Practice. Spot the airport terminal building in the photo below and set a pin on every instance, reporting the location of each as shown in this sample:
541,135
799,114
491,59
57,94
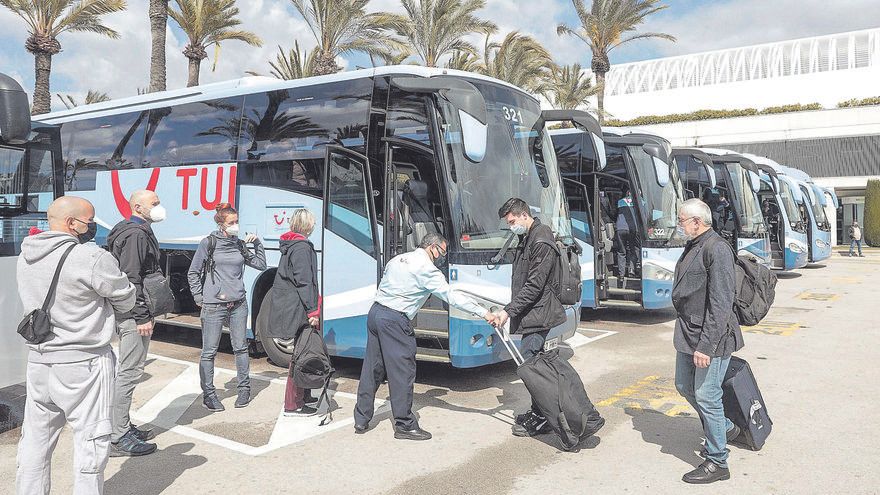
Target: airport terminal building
838,147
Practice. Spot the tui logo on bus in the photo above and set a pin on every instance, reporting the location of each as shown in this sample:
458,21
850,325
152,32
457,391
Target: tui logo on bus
221,177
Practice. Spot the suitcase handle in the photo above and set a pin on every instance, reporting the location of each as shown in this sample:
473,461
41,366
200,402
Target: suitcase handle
509,345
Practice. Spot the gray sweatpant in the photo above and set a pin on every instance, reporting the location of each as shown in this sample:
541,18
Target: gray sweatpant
77,393
132,354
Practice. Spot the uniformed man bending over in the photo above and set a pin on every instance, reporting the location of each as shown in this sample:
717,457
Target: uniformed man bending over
408,281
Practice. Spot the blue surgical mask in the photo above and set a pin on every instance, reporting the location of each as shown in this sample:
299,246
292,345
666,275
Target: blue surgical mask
518,229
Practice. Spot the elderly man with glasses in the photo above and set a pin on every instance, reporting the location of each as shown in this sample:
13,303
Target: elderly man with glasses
706,333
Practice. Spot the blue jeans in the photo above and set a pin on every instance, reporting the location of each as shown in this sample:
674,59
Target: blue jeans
213,317
852,245
702,389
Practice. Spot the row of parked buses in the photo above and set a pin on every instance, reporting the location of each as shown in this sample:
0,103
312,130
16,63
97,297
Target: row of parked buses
384,156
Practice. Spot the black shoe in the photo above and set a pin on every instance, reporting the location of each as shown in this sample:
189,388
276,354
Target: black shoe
522,418
595,429
361,429
414,434
243,399
212,403
534,425
142,435
130,446
302,412
309,400
707,472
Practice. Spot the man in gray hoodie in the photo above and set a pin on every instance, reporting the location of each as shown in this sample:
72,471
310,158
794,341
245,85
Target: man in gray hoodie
70,376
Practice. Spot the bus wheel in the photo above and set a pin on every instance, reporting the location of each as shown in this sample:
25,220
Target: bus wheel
278,350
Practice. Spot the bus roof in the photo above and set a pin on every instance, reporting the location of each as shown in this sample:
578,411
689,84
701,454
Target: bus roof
248,85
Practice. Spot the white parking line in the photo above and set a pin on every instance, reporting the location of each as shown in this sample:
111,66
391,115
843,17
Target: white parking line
167,407
579,339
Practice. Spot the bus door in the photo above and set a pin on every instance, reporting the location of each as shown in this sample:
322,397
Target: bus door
773,216
414,209
350,257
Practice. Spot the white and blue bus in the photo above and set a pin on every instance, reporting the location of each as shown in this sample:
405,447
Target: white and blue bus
788,231
30,178
382,156
635,162
812,203
729,184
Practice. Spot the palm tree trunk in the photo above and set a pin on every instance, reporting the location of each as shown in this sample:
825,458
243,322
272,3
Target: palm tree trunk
158,21
42,70
194,65
600,96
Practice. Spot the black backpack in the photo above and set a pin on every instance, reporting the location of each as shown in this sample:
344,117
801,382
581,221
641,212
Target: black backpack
755,289
567,273
311,365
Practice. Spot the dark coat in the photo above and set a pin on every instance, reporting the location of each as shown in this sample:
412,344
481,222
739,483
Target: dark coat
703,295
534,306
135,246
295,291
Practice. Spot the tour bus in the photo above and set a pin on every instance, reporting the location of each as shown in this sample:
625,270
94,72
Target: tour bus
382,156
30,178
812,204
639,163
788,231
731,192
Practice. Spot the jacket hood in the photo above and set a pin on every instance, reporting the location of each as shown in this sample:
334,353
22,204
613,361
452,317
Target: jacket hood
36,247
124,229
288,242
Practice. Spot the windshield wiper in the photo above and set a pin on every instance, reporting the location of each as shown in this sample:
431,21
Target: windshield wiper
500,254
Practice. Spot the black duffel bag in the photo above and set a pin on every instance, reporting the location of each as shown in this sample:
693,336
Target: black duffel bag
36,326
311,367
158,294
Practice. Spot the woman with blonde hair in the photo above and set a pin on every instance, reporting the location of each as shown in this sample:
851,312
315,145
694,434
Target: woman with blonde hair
295,303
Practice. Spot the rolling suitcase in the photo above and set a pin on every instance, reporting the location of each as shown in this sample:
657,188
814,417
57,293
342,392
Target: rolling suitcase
744,405
559,394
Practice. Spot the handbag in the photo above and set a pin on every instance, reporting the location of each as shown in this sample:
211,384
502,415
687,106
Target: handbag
36,326
158,294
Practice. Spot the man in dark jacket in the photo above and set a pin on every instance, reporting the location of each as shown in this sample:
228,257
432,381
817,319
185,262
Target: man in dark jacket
133,243
706,332
534,307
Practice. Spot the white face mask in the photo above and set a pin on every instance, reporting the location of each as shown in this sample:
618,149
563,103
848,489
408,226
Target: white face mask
158,213
232,230
518,229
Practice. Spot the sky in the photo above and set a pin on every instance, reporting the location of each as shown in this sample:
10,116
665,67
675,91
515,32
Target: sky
120,67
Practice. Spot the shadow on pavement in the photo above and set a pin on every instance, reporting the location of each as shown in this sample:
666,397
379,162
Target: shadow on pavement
678,436
631,316
154,473
788,275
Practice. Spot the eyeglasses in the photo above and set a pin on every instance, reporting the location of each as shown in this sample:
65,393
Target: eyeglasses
681,221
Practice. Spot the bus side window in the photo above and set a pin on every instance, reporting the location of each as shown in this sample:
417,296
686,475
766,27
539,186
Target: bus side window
348,214
100,144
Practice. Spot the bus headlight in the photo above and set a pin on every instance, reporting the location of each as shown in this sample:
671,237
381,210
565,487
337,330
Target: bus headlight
795,248
821,244
656,272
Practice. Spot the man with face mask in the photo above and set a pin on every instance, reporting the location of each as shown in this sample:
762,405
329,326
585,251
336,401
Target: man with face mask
134,244
69,376
706,332
409,280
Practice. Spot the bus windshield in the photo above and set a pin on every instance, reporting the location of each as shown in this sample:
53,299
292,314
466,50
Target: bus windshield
659,203
791,208
28,174
751,219
520,162
818,212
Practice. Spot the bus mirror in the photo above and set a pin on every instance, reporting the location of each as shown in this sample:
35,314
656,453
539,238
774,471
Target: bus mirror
15,112
661,169
474,136
599,145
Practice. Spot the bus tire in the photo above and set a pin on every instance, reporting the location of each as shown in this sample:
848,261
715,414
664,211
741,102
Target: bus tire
278,353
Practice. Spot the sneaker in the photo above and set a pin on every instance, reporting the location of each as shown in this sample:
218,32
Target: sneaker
310,400
244,398
130,446
522,418
142,435
302,412
534,425
212,403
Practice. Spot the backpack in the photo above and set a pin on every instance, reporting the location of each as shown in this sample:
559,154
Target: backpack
755,289
311,365
567,273
208,262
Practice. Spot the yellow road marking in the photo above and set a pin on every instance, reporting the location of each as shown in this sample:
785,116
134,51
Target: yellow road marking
846,280
782,328
817,296
652,393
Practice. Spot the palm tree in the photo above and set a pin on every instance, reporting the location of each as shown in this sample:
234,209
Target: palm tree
519,60
569,87
391,58
604,27
344,26
293,64
466,61
206,23
91,97
158,21
46,20
435,28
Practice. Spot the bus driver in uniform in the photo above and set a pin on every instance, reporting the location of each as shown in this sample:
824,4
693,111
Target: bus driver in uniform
408,281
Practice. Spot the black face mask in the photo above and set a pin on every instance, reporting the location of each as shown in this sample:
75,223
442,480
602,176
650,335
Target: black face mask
440,261
89,234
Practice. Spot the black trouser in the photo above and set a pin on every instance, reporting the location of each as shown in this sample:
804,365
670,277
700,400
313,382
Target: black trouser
391,352
629,252
532,344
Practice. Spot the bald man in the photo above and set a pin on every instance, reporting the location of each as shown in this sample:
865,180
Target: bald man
134,244
70,376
